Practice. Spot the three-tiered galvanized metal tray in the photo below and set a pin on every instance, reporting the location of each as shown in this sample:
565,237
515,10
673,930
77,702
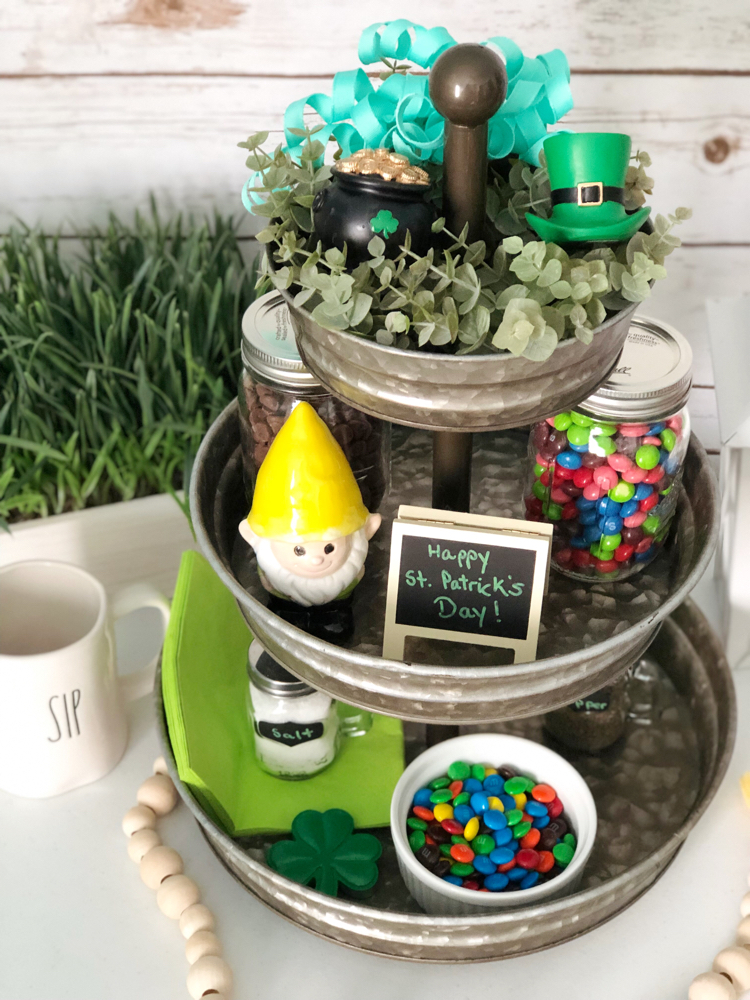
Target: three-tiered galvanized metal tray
650,787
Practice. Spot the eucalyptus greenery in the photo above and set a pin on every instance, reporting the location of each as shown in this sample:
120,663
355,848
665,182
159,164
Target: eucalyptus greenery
524,296
114,364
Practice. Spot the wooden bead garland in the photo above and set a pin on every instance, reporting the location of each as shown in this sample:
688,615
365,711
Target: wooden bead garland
160,863
141,843
158,793
177,896
730,975
202,943
735,963
138,818
209,974
711,986
196,918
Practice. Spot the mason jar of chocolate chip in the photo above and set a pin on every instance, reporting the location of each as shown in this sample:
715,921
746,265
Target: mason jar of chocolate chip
274,378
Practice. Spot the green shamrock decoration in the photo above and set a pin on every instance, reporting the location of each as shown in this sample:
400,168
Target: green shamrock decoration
384,223
324,850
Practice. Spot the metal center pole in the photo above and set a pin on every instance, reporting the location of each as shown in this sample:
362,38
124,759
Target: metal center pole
451,470
451,490
467,86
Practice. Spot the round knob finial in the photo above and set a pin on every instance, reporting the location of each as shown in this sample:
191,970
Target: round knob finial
468,84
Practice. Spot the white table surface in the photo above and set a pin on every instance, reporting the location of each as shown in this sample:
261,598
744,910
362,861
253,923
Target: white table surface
77,922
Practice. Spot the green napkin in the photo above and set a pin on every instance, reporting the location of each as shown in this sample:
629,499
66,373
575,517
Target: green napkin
205,690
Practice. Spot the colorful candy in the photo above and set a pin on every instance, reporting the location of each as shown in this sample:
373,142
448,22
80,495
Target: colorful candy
443,811
472,826
608,489
507,833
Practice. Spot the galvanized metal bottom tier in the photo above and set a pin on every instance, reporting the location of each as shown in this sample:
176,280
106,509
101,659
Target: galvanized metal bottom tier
650,788
590,633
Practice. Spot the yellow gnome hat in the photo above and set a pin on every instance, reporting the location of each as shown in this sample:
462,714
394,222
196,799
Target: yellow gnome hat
305,490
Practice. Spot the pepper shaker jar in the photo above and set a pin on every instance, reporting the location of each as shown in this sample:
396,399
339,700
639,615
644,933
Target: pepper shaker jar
593,723
274,379
608,474
297,730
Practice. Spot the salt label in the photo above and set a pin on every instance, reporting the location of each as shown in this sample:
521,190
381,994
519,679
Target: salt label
290,733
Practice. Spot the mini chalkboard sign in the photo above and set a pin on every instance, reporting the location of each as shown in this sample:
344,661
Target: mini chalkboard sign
467,578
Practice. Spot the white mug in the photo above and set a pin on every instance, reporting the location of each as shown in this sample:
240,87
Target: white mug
62,705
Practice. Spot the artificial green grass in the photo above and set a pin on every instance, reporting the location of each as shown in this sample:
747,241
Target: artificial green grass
114,364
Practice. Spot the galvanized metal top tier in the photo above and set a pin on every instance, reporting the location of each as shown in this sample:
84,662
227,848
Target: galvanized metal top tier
432,692
448,392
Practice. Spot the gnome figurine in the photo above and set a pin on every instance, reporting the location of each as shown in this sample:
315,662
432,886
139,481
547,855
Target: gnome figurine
308,525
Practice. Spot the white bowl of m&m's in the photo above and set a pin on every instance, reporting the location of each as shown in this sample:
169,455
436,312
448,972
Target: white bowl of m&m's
491,821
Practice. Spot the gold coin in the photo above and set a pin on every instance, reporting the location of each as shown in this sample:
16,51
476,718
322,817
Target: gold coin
410,176
385,163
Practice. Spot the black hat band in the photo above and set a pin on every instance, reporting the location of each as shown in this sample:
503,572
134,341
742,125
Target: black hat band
588,195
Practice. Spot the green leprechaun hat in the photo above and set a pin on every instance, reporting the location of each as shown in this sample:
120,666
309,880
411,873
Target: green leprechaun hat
587,177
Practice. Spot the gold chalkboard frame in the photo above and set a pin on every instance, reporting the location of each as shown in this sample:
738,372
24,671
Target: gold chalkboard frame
460,527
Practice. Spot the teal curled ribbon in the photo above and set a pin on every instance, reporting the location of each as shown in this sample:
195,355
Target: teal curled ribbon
399,114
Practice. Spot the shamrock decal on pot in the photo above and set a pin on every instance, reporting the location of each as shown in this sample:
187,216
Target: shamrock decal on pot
384,223
325,851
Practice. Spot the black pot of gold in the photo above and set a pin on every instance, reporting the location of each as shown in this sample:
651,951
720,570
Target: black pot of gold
374,192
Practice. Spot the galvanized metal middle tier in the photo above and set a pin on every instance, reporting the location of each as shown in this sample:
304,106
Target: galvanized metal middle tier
437,693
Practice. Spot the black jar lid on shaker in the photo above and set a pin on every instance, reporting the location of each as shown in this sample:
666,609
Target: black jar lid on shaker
652,377
268,675
269,347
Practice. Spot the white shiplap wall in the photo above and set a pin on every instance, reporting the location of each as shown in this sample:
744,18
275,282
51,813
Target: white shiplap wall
103,101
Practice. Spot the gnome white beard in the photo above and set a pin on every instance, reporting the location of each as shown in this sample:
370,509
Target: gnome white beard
306,590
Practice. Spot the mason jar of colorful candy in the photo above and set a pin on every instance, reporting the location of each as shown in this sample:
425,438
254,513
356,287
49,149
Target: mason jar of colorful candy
608,473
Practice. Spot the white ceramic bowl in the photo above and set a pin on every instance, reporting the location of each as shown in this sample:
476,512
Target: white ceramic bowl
439,897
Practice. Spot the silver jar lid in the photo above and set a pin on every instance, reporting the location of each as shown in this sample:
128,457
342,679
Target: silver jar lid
268,675
269,346
652,377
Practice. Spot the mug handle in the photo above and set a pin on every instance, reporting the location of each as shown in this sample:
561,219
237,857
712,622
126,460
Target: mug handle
140,595
353,721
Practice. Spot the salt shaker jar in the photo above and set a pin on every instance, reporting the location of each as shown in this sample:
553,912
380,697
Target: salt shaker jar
297,730
608,474
274,378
